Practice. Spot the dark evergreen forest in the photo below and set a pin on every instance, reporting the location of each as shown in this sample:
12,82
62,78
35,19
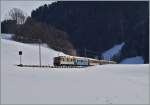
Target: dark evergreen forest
99,25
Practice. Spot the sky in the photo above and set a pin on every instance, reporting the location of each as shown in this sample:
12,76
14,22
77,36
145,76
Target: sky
26,6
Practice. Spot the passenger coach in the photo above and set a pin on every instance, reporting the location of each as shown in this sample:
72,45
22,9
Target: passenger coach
79,61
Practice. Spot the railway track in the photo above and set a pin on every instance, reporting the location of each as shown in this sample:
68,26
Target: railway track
48,66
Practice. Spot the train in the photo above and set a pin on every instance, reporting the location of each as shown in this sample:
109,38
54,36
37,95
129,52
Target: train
79,61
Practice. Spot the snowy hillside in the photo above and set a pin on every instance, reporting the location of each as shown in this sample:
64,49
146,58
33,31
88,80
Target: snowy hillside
107,55
133,60
30,53
106,84
6,36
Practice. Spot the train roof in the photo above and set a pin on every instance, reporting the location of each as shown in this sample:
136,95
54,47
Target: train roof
78,57
71,57
87,58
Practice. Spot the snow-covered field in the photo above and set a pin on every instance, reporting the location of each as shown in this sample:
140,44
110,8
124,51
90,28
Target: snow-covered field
106,84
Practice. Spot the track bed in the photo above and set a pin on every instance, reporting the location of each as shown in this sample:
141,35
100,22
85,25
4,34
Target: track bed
48,66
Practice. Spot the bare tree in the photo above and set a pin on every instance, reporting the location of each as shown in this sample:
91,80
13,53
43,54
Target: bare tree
18,15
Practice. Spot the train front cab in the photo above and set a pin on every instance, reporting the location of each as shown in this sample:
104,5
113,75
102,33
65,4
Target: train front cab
56,61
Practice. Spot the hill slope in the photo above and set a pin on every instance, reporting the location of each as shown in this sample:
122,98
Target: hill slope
98,84
99,25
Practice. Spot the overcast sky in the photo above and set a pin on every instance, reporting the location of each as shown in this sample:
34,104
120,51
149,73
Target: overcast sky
26,6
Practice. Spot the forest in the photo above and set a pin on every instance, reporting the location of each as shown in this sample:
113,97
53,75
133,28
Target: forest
93,25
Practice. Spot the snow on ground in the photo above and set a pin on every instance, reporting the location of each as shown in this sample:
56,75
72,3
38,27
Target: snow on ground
6,36
106,84
30,53
133,60
107,55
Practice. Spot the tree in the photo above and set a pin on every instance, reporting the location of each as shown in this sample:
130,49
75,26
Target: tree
18,15
55,38
8,26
